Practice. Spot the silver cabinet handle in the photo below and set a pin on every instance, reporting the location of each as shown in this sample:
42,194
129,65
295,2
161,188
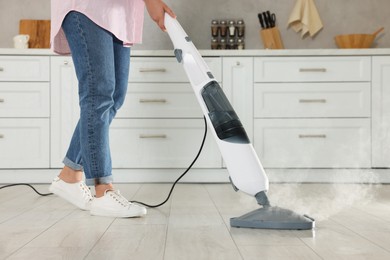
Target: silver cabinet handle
144,70
142,100
312,70
312,101
152,136
1,136
66,62
2,100
1,69
312,136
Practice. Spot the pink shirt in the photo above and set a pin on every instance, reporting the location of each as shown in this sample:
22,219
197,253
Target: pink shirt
123,18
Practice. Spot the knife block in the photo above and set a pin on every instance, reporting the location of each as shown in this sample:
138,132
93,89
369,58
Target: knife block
271,38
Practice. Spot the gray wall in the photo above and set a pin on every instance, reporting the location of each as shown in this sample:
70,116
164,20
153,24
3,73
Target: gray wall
339,17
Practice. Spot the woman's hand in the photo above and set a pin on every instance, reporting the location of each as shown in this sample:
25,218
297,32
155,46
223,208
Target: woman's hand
156,10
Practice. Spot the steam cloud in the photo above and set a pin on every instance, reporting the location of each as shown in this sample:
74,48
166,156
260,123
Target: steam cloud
321,201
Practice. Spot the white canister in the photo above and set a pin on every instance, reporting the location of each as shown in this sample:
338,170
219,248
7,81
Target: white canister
21,41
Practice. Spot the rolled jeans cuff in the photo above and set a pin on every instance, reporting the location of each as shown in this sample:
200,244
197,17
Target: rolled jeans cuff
101,180
72,165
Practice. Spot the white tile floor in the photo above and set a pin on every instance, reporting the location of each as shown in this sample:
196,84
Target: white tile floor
353,223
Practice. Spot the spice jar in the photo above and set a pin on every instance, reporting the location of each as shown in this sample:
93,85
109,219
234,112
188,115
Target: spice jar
222,44
232,44
214,28
214,43
240,28
223,28
232,28
240,44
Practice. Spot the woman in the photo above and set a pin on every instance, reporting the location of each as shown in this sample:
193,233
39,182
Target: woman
98,34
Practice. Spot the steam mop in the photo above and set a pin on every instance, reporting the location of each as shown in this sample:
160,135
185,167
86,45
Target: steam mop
244,167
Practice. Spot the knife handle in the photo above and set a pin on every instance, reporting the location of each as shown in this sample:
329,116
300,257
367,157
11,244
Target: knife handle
266,22
270,20
261,20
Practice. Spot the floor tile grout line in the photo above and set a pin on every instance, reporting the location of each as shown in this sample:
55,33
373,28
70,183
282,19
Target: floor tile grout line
226,225
43,231
100,238
14,192
136,191
360,235
167,226
372,215
27,210
309,247
108,227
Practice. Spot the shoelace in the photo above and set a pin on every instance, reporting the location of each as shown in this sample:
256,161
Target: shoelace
87,192
116,195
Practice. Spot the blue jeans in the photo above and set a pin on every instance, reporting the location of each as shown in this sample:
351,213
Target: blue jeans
102,69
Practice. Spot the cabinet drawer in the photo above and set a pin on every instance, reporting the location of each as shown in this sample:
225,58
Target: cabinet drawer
166,70
152,100
20,99
312,100
313,143
24,143
161,143
18,68
312,69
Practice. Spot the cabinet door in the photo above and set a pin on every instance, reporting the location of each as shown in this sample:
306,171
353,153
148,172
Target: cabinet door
160,100
238,87
24,99
24,143
381,112
309,100
312,69
165,69
313,143
64,107
161,143
24,68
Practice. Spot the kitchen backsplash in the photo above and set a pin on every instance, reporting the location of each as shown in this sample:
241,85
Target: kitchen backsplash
338,16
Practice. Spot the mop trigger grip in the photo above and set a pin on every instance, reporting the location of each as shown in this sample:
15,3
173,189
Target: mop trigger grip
178,54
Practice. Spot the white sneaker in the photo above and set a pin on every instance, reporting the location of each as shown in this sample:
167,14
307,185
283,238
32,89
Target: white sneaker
113,204
76,193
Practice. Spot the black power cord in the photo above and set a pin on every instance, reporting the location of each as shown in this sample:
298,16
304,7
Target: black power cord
26,184
142,203
181,176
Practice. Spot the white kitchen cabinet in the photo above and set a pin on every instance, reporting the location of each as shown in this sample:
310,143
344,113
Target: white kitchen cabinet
313,143
24,143
166,69
312,69
24,99
313,112
159,100
238,87
304,100
381,112
64,107
164,125
301,109
161,143
24,112
24,68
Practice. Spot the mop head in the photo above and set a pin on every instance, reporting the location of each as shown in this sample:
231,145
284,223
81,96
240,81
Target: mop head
273,218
